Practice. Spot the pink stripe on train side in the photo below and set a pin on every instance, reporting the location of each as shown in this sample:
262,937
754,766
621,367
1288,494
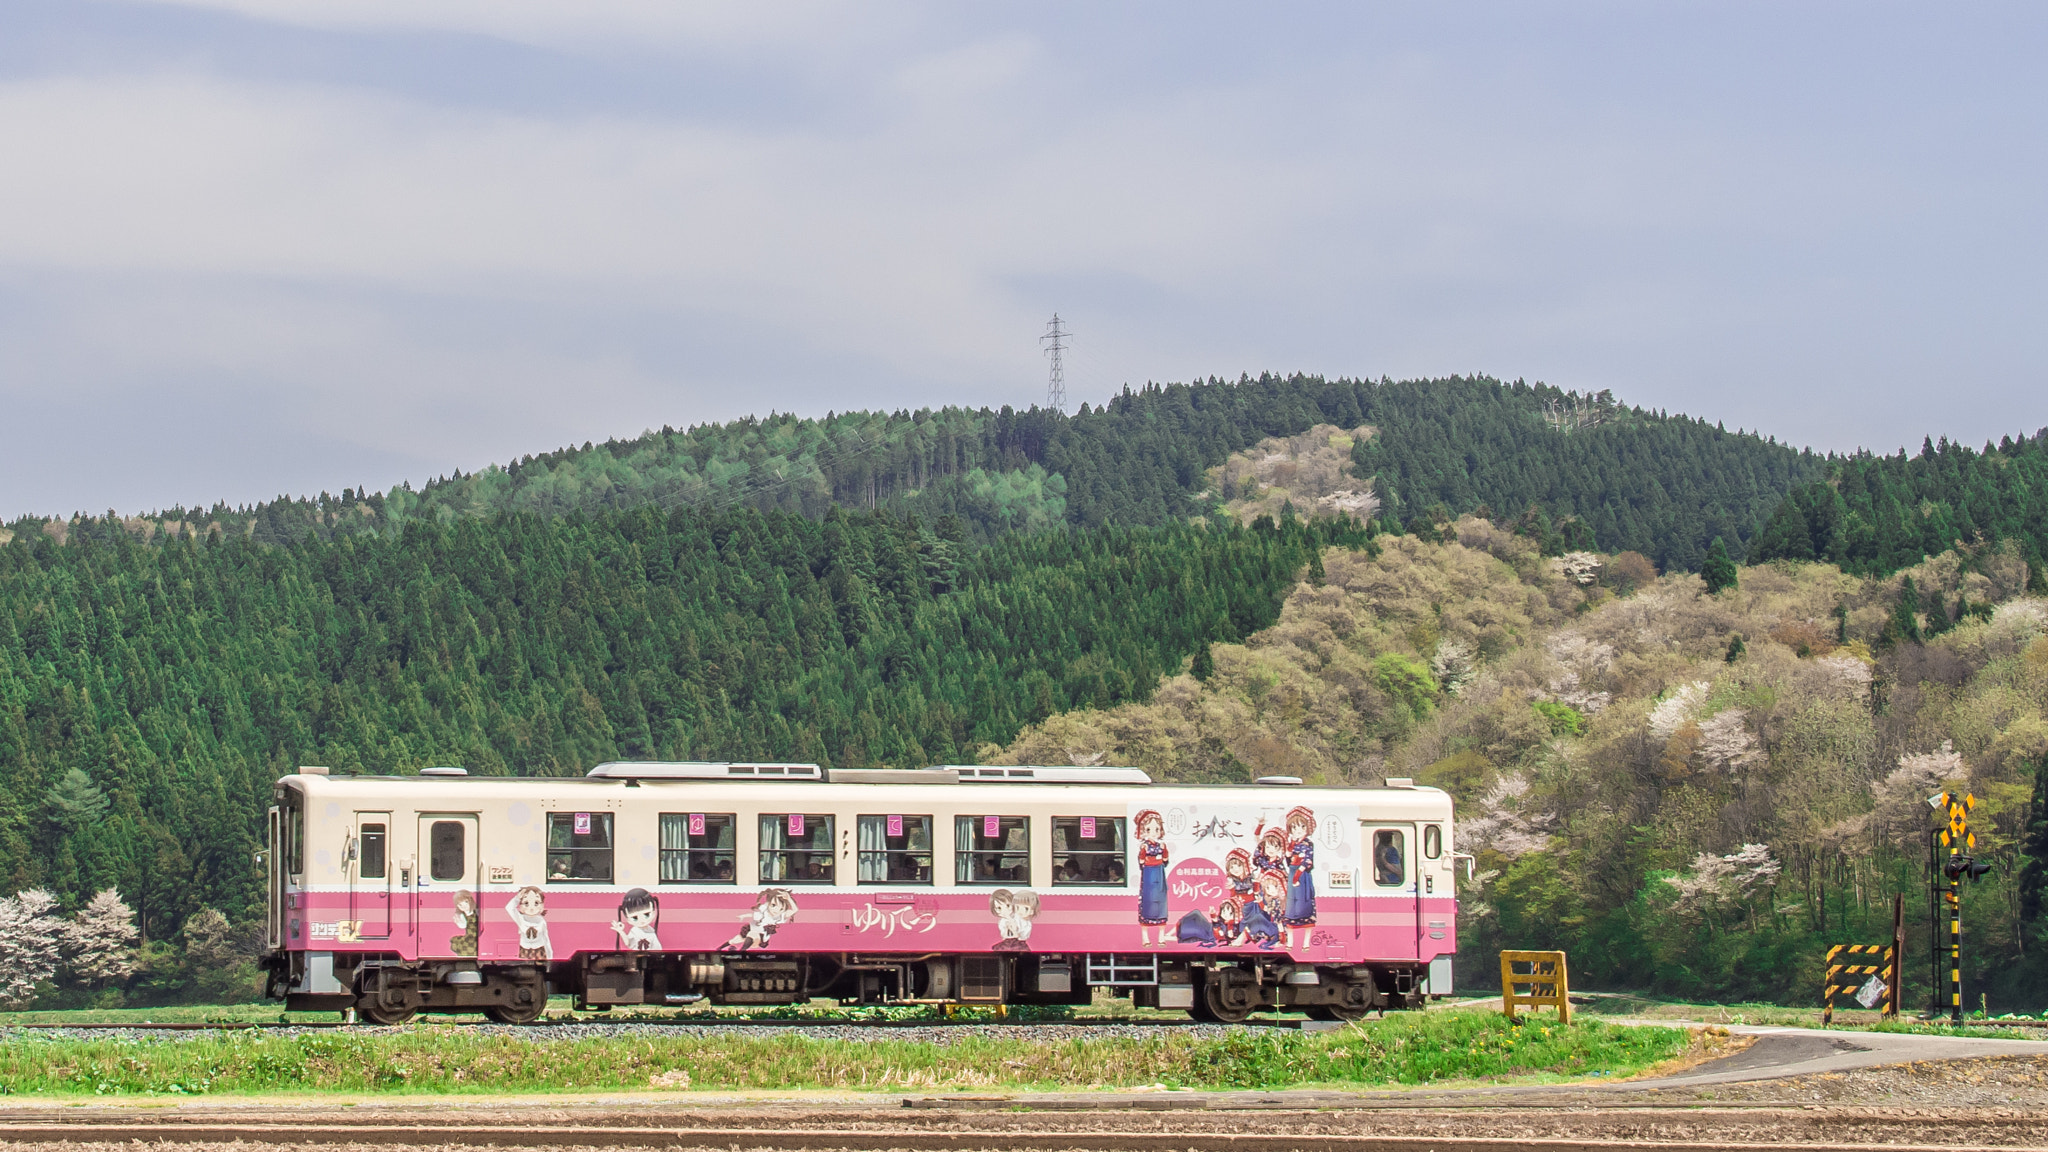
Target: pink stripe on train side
837,920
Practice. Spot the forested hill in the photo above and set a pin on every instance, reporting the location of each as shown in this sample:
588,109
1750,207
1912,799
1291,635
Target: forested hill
1875,515
1641,480
150,693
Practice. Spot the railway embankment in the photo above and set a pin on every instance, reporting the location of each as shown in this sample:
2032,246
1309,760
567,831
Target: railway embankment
1401,1049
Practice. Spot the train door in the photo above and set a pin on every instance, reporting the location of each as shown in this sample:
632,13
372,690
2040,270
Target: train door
274,877
1389,908
446,881
369,878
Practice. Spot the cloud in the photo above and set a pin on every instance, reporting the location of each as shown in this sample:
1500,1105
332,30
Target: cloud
643,25
504,272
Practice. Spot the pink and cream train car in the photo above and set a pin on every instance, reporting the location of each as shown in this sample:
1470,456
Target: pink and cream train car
671,883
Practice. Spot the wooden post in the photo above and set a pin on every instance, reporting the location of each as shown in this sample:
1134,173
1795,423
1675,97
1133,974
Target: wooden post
1897,999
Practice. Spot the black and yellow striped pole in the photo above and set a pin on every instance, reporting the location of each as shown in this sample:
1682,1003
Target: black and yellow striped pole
1958,839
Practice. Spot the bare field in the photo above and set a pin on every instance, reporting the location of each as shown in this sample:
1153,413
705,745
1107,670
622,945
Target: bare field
1999,1102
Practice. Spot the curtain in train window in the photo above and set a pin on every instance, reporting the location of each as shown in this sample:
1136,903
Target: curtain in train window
796,848
895,849
992,849
698,848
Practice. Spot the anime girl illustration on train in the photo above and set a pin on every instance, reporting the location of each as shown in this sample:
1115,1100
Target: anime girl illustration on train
1237,869
1229,922
773,908
1299,872
1152,859
1014,909
639,921
468,925
1260,924
529,912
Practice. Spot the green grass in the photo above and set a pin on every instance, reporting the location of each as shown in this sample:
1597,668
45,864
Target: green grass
261,1012
1406,1049
1777,1015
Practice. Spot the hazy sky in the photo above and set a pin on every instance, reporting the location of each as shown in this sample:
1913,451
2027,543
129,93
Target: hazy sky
261,246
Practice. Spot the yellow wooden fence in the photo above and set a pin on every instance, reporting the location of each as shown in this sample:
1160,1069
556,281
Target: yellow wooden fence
1545,979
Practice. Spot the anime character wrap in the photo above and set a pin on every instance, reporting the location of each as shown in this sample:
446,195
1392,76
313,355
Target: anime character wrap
1152,859
1299,865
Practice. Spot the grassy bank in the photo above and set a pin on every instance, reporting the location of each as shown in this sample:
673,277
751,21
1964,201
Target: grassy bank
1406,1049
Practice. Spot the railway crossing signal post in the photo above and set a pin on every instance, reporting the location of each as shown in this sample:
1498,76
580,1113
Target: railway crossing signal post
1962,862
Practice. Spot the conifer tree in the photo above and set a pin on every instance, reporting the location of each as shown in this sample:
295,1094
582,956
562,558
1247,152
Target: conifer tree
1719,570
1905,619
2033,882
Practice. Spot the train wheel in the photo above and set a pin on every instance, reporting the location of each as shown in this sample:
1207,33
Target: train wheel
375,1013
1210,999
1345,1012
515,1014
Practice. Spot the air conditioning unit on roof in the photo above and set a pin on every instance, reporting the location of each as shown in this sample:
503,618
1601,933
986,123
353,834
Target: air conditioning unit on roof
702,770
1046,774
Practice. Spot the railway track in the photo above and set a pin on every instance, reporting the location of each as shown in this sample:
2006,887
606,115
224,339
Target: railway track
777,1139
543,1025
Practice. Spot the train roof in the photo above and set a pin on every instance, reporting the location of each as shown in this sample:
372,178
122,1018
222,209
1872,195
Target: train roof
810,779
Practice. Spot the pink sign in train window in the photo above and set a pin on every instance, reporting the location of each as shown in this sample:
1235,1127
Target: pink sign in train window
991,826
895,826
583,824
696,823
1087,827
796,824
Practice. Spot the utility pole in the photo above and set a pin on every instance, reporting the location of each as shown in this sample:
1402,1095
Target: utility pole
1055,341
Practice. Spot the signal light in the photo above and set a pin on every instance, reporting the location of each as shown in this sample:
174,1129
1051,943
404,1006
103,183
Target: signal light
1965,868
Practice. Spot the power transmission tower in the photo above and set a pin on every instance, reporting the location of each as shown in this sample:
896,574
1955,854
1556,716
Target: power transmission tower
1055,341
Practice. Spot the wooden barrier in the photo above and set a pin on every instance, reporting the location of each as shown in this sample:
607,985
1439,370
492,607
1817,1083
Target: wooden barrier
1851,967
1546,980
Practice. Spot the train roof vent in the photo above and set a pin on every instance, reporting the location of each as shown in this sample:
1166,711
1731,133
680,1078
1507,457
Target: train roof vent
893,776
444,770
1046,774
1400,782
1282,781
702,770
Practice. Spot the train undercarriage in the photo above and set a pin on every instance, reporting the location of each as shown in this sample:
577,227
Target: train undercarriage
385,989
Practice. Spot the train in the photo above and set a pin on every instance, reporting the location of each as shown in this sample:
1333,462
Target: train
667,883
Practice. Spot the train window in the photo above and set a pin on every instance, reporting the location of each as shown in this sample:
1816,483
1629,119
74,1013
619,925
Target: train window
444,850
1389,863
370,852
580,847
1087,850
1432,841
895,849
294,829
992,849
697,848
796,848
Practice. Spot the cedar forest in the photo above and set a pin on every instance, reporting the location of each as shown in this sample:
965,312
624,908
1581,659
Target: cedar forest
1688,686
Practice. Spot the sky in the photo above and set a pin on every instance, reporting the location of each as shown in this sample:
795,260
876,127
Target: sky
263,247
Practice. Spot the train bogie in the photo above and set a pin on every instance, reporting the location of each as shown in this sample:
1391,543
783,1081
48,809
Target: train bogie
775,884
